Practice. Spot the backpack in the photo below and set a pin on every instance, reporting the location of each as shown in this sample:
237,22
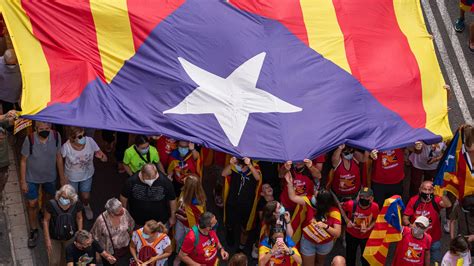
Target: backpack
147,251
435,205
31,138
63,225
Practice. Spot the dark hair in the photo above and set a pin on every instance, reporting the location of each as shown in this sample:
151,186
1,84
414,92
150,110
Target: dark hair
459,244
274,230
239,259
205,220
141,139
267,213
324,201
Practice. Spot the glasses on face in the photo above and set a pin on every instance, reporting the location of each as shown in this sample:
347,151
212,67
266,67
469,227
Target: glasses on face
80,136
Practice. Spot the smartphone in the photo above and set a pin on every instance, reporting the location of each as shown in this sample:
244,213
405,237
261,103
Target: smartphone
280,239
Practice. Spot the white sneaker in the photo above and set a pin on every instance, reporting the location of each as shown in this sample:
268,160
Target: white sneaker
254,252
88,212
446,227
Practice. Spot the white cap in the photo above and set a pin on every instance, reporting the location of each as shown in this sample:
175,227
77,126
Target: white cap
423,220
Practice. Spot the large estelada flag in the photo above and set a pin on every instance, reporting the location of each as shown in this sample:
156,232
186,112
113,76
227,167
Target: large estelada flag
387,229
268,79
455,172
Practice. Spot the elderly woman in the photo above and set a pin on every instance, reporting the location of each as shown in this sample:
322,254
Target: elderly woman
62,219
150,245
79,152
112,230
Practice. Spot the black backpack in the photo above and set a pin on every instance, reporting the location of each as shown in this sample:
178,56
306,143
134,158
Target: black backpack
435,205
63,225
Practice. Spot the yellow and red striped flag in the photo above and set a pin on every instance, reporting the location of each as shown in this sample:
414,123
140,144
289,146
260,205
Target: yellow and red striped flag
454,174
387,229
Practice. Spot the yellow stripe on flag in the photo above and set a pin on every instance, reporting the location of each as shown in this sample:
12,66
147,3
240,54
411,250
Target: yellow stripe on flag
114,34
324,34
33,65
410,19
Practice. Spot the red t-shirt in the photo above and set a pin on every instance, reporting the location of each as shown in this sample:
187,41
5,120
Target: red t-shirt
410,250
320,235
360,216
165,146
346,181
320,159
303,185
426,209
389,167
206,250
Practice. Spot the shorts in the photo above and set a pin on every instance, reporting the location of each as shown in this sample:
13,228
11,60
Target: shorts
33,189
308,248
82,186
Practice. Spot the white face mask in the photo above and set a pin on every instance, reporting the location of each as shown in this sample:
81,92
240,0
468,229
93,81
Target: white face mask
150,181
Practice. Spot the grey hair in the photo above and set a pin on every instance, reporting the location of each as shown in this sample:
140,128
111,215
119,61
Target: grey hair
10,57
113,205
205,220
82,236
68,191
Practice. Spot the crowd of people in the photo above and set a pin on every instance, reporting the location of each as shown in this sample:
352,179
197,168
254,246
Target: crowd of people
297,209
289,213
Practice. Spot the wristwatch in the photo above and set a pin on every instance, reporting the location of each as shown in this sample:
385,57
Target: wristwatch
292,252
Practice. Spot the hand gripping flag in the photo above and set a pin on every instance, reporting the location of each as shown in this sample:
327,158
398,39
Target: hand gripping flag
387,229
454,172
273,80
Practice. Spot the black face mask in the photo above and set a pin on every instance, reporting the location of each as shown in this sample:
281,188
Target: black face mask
44,133
426,196
364,203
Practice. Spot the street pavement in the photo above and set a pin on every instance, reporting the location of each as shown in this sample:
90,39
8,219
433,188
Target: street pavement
457,65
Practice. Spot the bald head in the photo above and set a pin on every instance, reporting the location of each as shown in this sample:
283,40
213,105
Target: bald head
10,57
149,171
338,261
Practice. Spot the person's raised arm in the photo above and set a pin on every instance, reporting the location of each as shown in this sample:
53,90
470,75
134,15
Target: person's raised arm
336,156
315,173
194,151
228,169
255,172
285,168
291,190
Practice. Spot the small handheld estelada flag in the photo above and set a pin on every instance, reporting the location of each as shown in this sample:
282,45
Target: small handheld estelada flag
20,124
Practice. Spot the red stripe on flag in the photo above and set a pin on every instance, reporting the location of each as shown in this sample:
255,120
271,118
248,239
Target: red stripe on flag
371,30
67,34
287,12
461,174
145,15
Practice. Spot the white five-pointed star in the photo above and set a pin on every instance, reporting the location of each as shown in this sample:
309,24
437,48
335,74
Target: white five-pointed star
230,99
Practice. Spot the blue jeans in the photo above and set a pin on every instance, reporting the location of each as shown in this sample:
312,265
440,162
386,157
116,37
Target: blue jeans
435,252
308,248
33,189
82,186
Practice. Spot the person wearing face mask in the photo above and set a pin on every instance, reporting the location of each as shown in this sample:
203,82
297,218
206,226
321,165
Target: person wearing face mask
242,184
183,161
273,214
316,223
78,153
303,175
458,253
150,245
62,219
362,214
84,249
40,165
139,154
462,219
427,205
201,245
345,180
112,230
149,195
414,247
